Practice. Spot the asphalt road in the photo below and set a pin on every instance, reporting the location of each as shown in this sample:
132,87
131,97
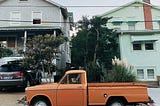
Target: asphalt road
10,97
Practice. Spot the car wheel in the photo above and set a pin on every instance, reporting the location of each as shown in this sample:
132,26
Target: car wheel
116,102
40,102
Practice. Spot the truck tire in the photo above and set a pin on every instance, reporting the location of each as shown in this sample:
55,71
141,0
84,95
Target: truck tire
40,102
116,102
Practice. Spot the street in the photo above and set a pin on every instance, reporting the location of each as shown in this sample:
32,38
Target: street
9,98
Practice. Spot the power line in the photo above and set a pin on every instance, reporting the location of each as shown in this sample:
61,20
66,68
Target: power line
76,22
75,6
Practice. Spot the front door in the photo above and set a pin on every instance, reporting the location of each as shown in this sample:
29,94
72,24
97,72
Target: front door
71,91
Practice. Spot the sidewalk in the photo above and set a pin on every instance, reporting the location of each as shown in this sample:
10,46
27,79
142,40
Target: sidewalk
154,93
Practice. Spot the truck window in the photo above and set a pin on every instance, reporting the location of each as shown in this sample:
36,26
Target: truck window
72,79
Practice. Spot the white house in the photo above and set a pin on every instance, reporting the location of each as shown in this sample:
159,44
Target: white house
20,19
138,25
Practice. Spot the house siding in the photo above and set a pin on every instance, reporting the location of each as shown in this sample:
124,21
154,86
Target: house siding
49,12
141,59
137,16
51,16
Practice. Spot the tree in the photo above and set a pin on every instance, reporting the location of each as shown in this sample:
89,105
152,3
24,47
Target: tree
41,50
94,42
5,52
95,45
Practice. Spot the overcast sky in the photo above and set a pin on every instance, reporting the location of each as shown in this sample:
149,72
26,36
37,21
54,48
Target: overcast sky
78,12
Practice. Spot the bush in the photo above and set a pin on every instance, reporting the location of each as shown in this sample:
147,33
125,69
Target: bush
4,52
94,73
120,72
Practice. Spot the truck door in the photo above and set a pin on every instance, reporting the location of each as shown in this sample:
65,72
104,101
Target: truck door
71,91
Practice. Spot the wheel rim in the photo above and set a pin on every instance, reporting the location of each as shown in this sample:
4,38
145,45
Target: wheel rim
116,104
40,103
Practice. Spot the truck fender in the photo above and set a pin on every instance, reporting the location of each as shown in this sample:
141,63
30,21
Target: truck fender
40,97
111,98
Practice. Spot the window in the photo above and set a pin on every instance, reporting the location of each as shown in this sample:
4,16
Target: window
140,73
36,21
150,73
37,17
137,46
72,79
143,45
23,0
149,46
15,17
131,25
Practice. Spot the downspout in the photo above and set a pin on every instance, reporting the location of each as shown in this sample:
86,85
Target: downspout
25,40
120,46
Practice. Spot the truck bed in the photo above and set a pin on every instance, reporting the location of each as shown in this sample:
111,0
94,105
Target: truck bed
115,84
132,92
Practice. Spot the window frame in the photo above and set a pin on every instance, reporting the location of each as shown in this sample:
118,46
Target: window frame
136,43
131,25
23,0
143,73
148,76
68,79
152,48
16,20
36,18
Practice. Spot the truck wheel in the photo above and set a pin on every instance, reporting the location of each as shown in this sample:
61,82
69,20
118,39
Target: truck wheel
116,102
40,102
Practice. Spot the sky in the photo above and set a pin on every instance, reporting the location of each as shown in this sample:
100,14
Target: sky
97,7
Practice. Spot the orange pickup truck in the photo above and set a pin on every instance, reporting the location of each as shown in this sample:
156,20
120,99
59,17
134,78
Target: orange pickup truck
73,90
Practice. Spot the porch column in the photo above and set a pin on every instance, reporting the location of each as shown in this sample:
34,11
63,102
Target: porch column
25,40
54,33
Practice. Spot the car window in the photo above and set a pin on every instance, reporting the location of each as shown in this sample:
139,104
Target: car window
10,68
72,79
3,69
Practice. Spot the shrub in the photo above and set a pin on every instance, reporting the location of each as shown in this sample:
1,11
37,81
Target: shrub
5,52
94,73
120,72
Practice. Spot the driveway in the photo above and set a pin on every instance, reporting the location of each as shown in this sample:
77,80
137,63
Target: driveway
9,98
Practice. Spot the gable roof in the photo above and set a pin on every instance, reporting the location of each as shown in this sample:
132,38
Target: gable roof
54,3
127,5
63,8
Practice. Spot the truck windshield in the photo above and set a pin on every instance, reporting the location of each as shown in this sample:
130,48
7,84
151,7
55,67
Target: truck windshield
72,79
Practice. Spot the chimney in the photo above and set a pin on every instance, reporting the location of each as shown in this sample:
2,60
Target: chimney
147,15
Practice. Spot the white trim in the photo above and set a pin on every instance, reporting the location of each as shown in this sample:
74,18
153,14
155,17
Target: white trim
143,38
145,72
38,17
14,19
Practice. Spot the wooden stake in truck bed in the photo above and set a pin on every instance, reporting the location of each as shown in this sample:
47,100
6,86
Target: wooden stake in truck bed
73,90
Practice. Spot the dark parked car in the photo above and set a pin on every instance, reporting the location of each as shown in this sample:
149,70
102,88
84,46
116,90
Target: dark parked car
15,75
